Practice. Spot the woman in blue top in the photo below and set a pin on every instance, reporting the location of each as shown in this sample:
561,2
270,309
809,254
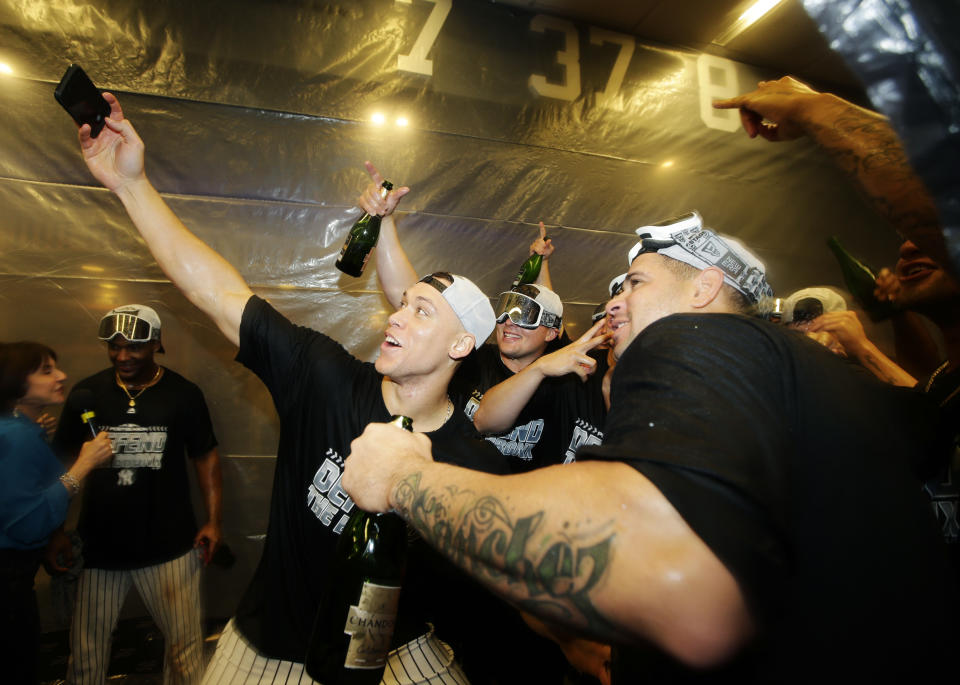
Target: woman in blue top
34,494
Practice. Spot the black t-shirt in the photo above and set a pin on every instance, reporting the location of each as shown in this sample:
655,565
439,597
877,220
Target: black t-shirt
798,474
563,414
325,398
136,511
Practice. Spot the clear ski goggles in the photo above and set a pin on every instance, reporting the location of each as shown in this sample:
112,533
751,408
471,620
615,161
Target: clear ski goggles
523,310
130,326
599,313
648,245
616,285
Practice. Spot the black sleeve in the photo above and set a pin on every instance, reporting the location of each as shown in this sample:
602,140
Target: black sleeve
199,438
288,357
696,402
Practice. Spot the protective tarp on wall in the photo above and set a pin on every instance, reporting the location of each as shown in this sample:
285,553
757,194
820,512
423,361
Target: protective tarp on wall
907,55
257,120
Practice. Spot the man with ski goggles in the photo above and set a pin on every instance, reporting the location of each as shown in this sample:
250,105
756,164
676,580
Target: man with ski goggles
522,307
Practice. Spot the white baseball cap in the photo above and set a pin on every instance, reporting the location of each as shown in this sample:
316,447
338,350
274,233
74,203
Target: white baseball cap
830,301
469,303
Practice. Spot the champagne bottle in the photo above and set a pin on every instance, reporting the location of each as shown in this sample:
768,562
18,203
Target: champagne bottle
361,240
530,269
354,625
861,281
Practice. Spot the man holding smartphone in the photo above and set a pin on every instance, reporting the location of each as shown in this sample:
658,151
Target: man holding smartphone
324,398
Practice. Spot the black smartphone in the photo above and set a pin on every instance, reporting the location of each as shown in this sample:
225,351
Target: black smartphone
82,99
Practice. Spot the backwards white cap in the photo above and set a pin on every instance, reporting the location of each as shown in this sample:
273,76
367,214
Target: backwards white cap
830,301
470,305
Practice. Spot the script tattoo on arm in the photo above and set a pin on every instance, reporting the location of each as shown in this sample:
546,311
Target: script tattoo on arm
886,370
540,568
866,148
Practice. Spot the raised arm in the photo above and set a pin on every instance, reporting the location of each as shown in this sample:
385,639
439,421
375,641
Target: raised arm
115,158
593,546
394,271
543,246
502,404
862,143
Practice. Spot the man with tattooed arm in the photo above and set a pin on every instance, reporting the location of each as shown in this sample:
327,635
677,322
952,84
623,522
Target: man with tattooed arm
744,520
864,145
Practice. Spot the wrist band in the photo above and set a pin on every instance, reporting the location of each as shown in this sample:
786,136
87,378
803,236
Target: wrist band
73,485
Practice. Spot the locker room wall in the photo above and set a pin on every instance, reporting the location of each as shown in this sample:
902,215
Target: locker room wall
257,119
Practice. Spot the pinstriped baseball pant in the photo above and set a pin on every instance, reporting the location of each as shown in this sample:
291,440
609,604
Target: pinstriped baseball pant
171,592
423,661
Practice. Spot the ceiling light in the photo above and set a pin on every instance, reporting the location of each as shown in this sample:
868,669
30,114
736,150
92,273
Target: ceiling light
749,17
402,121
668,163
5,68
92,268
378,118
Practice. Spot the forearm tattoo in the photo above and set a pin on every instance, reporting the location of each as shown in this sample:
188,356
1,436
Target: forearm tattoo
542,569
866,148
875,365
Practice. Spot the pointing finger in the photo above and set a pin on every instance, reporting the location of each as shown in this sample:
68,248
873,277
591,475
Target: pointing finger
729,103
374,174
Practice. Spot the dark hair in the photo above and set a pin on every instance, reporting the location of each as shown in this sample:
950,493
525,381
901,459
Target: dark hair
736,300
17,361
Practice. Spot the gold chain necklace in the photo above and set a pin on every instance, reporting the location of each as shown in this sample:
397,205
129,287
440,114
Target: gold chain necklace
133,398
934,375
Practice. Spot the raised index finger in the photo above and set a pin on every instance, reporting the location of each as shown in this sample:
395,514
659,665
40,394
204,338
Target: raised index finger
374,174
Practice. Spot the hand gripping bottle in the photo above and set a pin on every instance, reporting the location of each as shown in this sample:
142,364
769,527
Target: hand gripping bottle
356,617
361,240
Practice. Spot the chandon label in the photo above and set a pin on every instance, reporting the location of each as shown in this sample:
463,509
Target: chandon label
370,624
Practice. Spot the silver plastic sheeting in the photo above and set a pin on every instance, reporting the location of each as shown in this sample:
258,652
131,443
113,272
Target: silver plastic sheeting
907,55
257,120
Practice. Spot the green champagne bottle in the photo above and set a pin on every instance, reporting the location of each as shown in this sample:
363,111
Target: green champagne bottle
353,629
861,281
530,269
361,240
